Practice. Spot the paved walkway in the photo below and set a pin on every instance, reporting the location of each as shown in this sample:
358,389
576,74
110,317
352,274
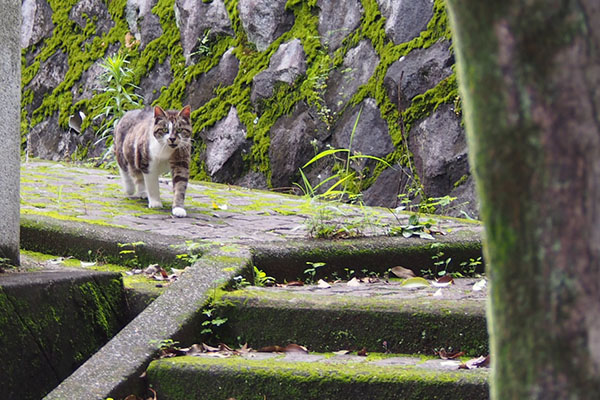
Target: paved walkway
215,212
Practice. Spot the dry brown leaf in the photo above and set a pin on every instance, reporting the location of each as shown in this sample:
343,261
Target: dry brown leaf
271,349
153,394
245,349
295,283
290,348
208,348
402,272
443,281
444,355
295,348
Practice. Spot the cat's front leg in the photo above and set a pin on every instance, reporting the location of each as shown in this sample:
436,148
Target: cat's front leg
153,190
180,173
128,184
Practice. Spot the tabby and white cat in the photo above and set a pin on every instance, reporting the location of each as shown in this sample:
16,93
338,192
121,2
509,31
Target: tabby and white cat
149,143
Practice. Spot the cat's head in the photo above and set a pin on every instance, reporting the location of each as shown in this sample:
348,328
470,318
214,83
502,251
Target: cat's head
172,128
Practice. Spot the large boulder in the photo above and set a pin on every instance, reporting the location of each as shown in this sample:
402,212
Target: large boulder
405,19
196,19
48,141
337,20
264,20
439,149
466,204
143,23
201,89
371,136
343,82
51,73
36,22
223,140
286,65
151,85
92,10
417,72
294,140
90,83
389,184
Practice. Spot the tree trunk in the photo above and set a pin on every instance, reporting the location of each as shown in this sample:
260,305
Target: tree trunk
529,74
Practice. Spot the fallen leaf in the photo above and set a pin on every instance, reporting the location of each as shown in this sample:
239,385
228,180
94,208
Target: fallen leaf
479,285
342,352
402,272
413,283
208,348
438,293
444,355
152,269
290,348
322,284
362,352
295,348
479,362
353,282
271,349
450,363
295,283
216,206
57,261
444,281
194,349
87,264
244,349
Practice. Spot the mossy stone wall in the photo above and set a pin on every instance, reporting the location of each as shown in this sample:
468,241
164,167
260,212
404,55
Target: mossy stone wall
82,33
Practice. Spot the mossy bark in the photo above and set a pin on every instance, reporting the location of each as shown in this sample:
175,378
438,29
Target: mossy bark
529,76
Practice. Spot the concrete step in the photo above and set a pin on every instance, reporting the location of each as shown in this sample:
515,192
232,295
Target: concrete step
379,316
371,317
51,321
313,376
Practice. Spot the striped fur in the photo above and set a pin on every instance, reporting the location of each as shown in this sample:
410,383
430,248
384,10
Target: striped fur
149,143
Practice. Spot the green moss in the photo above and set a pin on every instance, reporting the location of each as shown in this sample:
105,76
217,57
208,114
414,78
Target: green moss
330,323
83,49
278,378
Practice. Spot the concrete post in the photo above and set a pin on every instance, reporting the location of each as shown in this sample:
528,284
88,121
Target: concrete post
10,113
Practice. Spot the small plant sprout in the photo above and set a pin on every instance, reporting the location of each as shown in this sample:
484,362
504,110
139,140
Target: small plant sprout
311,272
203,48
261,279
129,253
193,251
212,321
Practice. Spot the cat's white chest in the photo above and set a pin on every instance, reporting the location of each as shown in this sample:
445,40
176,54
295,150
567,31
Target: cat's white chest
159,156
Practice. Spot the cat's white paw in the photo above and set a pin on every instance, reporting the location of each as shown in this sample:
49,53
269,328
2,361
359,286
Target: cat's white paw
179,212
129,189
143,195
153,203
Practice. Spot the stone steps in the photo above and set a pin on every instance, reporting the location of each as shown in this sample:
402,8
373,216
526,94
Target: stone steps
374,317
51,321
318,377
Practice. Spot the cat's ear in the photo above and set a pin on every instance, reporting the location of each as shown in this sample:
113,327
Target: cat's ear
185,112
159,113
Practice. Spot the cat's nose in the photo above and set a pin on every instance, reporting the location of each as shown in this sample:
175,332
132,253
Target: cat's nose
172,139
